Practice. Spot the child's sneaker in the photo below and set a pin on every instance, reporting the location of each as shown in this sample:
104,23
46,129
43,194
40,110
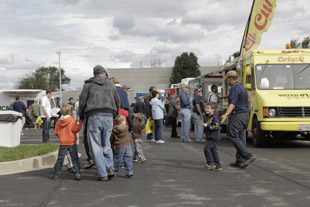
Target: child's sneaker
77,176
54,177
209,167
89,164
218,168
136,160
70,169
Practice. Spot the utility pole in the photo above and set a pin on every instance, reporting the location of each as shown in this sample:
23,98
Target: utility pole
60,91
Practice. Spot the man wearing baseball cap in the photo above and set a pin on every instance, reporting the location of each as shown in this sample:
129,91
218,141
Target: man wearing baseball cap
238,113
185,111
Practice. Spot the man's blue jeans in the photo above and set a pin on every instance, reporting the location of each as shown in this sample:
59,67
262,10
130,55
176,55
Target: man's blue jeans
158,129
46,130
99,129
198,127
236,132
72,149
123,154
186,123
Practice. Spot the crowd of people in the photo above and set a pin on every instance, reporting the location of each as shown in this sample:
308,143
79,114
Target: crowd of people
107,121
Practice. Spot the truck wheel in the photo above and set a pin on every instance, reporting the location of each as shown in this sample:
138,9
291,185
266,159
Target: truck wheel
306,135
258,136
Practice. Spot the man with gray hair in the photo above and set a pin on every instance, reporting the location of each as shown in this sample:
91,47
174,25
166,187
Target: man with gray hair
99,103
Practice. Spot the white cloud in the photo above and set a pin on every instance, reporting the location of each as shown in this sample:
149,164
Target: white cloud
126,33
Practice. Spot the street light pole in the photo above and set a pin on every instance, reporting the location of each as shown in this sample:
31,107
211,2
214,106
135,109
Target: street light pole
60,91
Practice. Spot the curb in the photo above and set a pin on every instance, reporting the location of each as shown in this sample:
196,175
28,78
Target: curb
29,164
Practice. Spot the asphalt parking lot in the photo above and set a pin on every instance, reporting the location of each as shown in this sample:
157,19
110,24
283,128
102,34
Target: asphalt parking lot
173,176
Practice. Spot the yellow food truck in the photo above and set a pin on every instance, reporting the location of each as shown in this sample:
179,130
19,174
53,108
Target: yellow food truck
278,85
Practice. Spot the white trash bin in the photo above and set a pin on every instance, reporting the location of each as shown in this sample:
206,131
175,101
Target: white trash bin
10,125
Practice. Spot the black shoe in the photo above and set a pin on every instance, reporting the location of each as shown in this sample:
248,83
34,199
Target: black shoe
110,172
89,164
78,176
129,175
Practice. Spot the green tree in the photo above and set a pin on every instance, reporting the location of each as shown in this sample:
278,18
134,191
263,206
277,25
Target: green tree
295,43
185,66
46,78
305,43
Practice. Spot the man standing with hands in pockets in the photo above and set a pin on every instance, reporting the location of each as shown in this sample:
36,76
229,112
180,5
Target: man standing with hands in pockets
238,113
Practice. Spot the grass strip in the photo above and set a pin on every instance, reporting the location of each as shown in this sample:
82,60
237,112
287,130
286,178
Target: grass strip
25,151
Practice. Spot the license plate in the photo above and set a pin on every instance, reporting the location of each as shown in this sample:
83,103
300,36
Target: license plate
303,128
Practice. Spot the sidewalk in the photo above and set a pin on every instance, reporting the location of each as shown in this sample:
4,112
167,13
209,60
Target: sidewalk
34,163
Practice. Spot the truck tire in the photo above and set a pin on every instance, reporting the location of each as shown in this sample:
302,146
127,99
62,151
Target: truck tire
306,135
258,136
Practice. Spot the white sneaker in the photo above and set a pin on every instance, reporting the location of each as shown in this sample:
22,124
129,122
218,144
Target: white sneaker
160,142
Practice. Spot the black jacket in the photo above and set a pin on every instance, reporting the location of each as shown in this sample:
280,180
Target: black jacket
213,131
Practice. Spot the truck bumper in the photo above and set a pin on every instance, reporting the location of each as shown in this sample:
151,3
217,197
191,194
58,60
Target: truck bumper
285,126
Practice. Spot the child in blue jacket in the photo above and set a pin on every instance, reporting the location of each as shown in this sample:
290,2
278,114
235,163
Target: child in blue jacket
213,136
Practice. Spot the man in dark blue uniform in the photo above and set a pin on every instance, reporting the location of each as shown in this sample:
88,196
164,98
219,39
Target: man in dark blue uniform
238,112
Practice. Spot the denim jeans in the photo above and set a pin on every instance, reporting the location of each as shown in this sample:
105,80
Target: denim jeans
186,123
61,156
198,127
138,155
158,129
46,130
236,132
211,154
99,129
123,154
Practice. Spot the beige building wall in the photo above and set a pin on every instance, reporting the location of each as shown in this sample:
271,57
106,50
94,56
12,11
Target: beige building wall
139,80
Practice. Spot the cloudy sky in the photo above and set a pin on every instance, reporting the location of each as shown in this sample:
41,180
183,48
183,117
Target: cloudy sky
127,33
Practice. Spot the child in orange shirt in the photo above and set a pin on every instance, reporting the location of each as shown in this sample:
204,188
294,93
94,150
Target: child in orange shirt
66,129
